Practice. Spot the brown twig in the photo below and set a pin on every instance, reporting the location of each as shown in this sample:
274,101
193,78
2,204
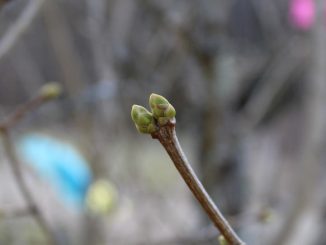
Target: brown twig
20,112
28,197
22,23
47,92
167,136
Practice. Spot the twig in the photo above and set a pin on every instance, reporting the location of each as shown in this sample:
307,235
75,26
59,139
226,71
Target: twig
20,112
47,92
160,123
167,136
17,29
18,175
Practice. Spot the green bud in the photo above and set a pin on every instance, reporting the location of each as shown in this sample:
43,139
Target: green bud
159,101
170,112
158,105
163,120
50,90
140,115
151,128
141,129
222,240
162,110
102,197
143,119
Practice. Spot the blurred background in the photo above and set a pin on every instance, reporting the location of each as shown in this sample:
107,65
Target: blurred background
247,79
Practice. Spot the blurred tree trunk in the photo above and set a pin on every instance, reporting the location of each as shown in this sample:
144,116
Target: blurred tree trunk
307,200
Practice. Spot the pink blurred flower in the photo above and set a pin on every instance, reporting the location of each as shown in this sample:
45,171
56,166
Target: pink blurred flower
302,13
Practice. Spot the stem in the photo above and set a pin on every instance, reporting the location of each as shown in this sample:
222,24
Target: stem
22,23
167,136
15,165
20,112
28,197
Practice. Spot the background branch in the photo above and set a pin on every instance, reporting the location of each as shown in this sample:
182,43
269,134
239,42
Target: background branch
20,26
46,93
28,197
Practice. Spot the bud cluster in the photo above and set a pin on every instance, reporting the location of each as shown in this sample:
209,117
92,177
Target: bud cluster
162,112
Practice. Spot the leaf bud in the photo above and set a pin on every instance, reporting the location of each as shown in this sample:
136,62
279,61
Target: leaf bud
162,110
143,119
50,90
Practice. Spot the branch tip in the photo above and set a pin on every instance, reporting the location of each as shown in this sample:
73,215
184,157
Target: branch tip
163,118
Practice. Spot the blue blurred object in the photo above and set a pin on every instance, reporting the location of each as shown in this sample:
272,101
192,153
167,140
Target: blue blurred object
59,163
